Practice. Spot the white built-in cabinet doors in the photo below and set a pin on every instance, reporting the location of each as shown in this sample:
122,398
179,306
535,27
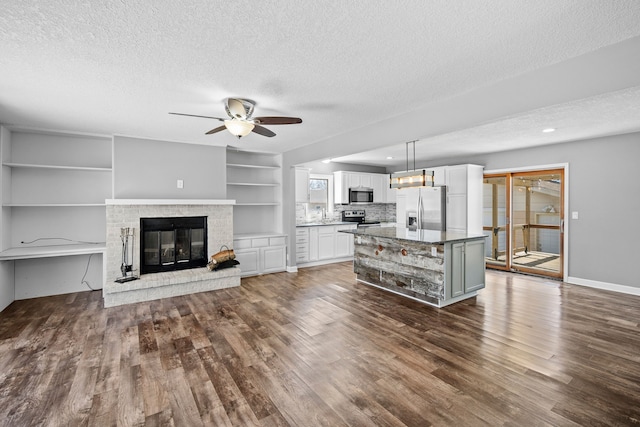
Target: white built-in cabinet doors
261,254
302,185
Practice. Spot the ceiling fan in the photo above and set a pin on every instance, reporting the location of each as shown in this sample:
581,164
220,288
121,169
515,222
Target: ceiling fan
240,122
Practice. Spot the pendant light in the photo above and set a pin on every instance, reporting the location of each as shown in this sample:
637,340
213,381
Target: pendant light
413,178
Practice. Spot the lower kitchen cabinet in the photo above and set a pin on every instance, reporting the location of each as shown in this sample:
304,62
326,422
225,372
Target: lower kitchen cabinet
466,267
324,244
260,254
344,241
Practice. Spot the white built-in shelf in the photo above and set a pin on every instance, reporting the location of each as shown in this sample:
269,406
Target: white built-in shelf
254,184
77,168
51,205
238,165
31,252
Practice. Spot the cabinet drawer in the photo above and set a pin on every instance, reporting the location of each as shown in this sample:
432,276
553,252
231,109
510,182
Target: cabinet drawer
242,244
326,229
277,241
260,242
302,239
302,231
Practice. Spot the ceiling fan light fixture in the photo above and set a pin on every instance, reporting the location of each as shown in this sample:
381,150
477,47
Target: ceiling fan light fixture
239,128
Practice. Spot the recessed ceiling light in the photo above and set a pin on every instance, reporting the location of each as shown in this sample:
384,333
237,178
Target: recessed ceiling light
389,158
548,130
326,161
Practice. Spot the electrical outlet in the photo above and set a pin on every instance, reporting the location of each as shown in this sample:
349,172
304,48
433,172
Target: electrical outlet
180,183
434,251
574,215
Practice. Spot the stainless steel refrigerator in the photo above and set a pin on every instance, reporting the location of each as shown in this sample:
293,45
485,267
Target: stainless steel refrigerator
426,208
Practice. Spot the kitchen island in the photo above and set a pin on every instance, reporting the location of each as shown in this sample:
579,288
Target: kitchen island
434,267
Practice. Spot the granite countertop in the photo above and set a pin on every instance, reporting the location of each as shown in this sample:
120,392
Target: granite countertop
318,224
432,237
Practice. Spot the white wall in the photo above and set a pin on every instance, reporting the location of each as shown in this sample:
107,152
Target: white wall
7,287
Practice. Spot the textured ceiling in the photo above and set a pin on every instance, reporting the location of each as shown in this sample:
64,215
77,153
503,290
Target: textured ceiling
119,67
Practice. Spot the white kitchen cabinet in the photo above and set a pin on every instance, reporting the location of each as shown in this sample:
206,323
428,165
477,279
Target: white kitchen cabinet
323,244
464,198
313,243
380,185
326,242
302,244
343,180
439,176
401,208
260,254
302,185
344,241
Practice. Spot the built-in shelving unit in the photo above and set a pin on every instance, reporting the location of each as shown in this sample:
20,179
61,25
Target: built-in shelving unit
54,187
254,181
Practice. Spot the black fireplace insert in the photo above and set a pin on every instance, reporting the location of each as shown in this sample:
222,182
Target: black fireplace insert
169,244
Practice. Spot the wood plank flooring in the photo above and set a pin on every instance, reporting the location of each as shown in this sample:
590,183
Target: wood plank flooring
316,348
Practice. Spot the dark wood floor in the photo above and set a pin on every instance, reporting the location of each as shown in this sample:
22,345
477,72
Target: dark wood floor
318,349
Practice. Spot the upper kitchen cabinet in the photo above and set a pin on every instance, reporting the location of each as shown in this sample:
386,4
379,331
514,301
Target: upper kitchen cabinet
464,198
302,185
344,180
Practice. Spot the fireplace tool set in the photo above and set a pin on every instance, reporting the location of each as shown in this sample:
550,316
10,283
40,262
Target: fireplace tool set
126,268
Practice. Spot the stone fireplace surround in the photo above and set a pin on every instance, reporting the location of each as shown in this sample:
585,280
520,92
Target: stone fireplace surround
123,213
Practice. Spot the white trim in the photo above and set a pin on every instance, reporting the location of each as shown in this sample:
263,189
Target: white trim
292,269
170,202
527,168
631,290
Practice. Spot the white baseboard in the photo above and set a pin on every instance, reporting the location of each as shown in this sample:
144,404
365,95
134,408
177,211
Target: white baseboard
604,285
292,269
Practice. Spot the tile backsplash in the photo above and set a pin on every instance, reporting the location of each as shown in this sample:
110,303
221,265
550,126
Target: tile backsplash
384,212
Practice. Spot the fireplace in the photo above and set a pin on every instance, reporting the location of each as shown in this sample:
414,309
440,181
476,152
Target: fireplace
170,244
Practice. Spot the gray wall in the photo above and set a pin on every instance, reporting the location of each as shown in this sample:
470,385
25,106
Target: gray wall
603,188
201,167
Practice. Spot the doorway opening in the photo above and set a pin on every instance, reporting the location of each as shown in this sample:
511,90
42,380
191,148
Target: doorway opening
523,217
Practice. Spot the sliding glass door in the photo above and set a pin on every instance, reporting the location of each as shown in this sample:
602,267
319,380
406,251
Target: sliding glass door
524,217
495,220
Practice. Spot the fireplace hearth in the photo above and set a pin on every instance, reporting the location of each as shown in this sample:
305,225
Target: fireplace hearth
170,244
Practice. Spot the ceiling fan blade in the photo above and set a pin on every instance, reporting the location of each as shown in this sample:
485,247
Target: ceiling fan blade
195,115
277,120
263,131
218,129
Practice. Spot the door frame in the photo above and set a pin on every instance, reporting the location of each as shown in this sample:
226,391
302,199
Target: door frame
565,207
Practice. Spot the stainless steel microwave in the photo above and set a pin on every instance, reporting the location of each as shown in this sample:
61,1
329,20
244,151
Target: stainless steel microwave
360,195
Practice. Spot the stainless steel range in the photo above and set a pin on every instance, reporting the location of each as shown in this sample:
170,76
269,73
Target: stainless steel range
359,216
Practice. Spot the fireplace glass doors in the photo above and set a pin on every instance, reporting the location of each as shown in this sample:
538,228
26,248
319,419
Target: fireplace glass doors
169,244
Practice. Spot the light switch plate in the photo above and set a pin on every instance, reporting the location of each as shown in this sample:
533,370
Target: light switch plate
434,251
180,183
